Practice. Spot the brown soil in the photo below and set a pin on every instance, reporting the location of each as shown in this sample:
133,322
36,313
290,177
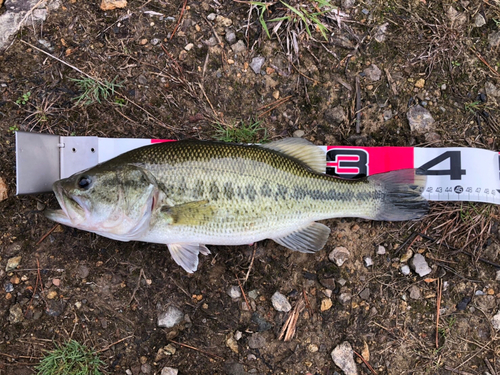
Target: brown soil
108,294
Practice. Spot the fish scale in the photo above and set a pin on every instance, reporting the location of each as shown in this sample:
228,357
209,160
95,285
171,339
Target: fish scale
229,194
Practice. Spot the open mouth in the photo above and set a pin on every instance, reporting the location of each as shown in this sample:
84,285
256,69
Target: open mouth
71,211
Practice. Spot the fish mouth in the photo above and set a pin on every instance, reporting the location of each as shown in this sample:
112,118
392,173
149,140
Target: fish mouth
71,212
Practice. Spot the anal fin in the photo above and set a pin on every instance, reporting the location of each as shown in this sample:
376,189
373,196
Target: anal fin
308,239
186,254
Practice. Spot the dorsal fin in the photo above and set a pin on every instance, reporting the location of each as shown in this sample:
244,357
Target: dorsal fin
302,150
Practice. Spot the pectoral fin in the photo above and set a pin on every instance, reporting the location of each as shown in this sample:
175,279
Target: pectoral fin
191,213
186,254
308,239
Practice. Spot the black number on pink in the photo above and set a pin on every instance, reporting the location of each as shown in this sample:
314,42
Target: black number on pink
455,172
347,163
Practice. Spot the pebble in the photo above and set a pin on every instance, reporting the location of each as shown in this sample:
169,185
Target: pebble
82,271
257,63
328,292
406,256
256,341
52,294
462,305
343,357
234,292
16,314
230,36
234,368
189,46
169,371
497,278
490,89
155,41
368,262
298,133
479,20
12,263
146,368
262,323
419,265
495,322
113,4
381,33
239,46
328,282
313,348
3,190
420,119
171,317
280,303
9,288
373,73
380,250
231,343
420,83
344,298
494,39
335,116
253,294
342,281
405,269
365,294
326,304
211,16
339,255
415,292
223,21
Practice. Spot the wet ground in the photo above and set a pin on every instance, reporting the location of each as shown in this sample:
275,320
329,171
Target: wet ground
188,69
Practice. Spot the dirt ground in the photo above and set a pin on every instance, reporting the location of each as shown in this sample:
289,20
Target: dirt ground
184,79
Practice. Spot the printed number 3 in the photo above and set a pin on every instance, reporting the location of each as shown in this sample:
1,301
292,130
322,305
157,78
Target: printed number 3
455,172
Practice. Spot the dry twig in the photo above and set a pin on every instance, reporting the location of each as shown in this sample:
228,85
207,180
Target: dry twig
198,350
288,330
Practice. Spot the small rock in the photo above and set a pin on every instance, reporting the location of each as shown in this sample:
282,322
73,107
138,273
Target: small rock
231,343
253,294
142,80
420,83
405,270
313,348
388,114
82,271
380,250
348,4
420,266
479,20
211,16
298,133
494,39
16,314
56,282
420,119
432,137
223,21
189,46
146,368
280,303
326,304
342,355
276,94
490,90
373,73
328,292
169,371
342,281
262,324
368,262
113,4
171,317
381,33
462,305
3,190
415,292
495,322
230,36
365,294
155,41
52,294
345,298
12,263
335,116
256,341
327,282
339,255
9,288
234,292
257,63
406,256
239,46
497,277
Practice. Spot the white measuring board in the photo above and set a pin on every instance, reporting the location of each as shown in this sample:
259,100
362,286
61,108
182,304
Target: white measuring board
453,173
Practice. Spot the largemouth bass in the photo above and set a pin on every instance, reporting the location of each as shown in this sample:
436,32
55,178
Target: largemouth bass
187,194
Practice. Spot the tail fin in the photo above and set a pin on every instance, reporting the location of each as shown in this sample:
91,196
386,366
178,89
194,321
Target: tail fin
401,195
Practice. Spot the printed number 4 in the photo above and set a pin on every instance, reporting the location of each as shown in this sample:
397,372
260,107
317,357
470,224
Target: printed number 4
455,172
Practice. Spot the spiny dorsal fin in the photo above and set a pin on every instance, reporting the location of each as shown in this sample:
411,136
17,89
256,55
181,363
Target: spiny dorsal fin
189,213
309,239
302,150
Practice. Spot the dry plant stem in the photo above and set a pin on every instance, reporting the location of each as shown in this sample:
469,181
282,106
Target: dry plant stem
179,19
290,326
455,371
114,343
438,307
490,367
20,356
198,350
101,83
243,292
46,235
365,362
486,63
251,264
31,11
275,105
141,274
358,106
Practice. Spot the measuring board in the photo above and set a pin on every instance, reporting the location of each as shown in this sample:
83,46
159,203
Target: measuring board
453,173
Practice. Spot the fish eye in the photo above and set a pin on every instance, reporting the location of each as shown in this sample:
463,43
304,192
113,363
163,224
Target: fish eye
84,182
